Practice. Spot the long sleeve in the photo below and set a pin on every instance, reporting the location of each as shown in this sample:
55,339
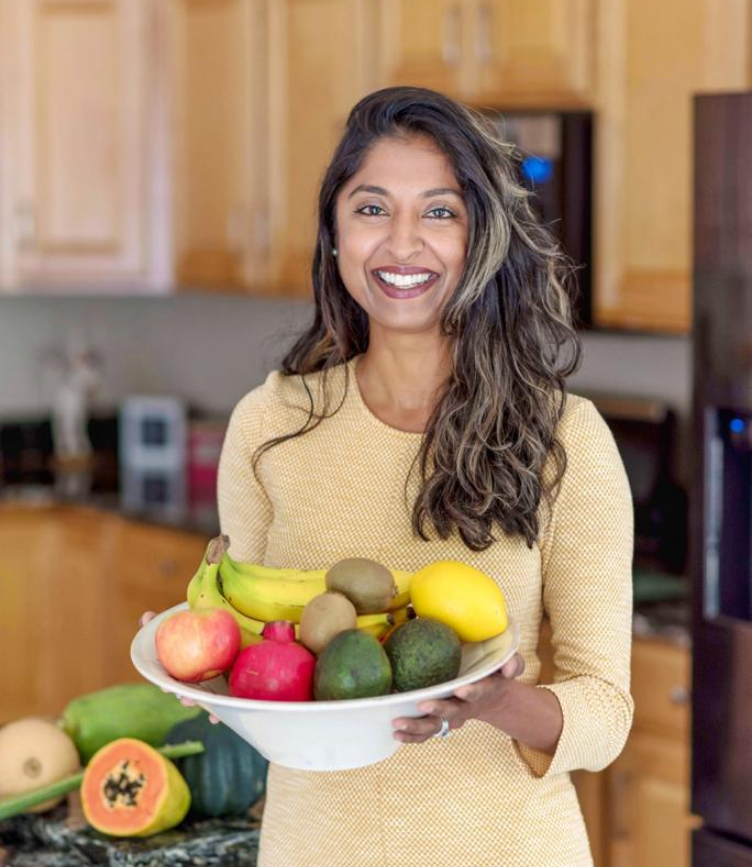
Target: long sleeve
245,512
586,557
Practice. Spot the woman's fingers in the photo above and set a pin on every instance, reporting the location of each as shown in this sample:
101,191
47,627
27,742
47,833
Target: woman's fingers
413,730
514,667
146,617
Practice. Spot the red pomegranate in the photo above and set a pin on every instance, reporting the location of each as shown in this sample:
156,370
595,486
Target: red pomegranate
277,669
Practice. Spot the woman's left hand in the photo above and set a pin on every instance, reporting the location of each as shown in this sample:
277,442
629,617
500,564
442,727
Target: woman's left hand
475,701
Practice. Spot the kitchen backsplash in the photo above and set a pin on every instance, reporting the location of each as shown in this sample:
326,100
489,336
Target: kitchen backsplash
211,349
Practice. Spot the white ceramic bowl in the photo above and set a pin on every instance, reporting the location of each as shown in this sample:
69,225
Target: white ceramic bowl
318,735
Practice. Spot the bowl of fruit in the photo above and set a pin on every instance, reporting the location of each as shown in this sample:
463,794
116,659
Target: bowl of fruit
312,666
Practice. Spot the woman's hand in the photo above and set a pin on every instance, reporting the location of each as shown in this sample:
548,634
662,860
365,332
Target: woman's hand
476,701
186,702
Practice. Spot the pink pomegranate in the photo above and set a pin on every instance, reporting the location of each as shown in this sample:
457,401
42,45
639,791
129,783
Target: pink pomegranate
198,645
277,669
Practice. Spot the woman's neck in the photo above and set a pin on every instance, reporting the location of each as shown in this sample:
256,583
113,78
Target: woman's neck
401,384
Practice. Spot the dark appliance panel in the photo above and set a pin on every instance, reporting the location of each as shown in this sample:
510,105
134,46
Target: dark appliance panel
711,849
556,165
721,501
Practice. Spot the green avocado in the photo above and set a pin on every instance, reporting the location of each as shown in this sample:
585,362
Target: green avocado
423,652
352,665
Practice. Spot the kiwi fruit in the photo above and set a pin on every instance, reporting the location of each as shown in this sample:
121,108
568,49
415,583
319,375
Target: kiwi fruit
367,584
325,616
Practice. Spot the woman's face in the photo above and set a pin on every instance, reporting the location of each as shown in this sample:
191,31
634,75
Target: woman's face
402,229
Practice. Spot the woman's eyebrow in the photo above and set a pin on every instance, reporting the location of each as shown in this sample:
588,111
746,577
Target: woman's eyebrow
380,191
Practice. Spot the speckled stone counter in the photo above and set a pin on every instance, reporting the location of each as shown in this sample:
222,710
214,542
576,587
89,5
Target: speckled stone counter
62,839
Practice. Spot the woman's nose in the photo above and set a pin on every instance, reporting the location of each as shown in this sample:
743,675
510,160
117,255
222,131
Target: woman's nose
405,240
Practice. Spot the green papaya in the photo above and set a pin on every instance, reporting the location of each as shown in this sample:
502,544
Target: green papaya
130,710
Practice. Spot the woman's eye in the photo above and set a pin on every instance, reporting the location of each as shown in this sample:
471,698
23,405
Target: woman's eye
367,210
445,213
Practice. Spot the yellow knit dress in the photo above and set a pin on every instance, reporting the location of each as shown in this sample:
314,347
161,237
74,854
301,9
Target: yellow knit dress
478,798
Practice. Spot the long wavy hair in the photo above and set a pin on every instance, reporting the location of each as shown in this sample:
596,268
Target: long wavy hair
510,322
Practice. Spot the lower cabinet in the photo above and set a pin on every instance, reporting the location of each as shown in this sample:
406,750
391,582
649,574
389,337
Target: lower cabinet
637,810
73,583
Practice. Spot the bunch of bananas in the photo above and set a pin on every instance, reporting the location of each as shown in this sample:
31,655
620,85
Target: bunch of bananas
256,594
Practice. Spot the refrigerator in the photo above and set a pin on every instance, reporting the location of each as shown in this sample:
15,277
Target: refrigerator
721,487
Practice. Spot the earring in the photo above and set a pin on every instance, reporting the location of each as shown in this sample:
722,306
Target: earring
334,251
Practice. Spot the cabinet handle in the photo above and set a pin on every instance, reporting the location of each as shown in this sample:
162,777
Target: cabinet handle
679,694
26,224
619,805
450,43
483,42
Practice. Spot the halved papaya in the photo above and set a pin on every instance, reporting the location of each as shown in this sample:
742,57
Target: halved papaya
130,790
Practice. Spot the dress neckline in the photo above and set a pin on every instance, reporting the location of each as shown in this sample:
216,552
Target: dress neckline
365,409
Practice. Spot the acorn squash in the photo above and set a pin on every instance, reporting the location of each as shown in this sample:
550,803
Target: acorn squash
228,777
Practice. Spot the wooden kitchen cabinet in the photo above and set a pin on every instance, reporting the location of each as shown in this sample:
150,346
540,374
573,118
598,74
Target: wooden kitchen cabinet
651,59
493,52
219,102
260,91
648,787
81,150
53,590
637,810
150,570
73,583
324,58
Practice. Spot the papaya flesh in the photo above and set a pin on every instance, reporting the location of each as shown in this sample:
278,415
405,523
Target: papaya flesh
130,790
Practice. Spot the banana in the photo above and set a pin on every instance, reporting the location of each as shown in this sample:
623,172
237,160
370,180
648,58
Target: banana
266,598
379,624
212,550
271,593
207,593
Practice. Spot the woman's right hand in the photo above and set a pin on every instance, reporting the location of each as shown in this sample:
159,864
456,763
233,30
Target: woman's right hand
186,702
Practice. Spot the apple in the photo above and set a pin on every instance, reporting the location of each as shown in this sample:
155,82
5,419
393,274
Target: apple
198,645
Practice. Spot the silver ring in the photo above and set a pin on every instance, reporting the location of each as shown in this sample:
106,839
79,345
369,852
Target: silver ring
444,731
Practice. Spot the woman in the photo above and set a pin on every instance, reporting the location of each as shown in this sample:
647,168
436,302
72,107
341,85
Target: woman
423,417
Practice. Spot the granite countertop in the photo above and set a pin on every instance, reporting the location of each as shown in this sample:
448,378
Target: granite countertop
62,838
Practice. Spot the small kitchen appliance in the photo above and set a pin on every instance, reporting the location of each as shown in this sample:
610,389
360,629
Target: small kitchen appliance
153,435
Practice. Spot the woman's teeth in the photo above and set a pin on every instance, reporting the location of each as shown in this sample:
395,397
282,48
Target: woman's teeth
404,281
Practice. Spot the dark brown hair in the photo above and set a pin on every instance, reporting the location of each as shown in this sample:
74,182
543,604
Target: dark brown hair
510,321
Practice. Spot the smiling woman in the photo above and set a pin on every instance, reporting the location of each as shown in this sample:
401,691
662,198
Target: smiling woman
422,417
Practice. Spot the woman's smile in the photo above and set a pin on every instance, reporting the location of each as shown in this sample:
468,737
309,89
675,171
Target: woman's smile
403,283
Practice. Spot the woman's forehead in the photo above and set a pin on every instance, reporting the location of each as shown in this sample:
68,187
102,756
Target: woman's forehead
411,162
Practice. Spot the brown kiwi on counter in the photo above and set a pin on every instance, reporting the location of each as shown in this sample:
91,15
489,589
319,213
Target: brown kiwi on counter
367,584
325,616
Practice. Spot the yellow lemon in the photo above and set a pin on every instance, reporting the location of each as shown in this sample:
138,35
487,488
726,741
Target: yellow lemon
462,597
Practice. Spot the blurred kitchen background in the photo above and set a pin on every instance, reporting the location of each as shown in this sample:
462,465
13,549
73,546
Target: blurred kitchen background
159,161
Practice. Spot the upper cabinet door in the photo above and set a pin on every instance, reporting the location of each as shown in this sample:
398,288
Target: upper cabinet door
82,196
492,52
653,58
324,59
219,89
532,52
425,43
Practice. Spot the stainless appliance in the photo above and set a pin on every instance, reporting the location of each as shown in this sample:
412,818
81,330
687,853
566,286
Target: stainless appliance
153,433
721,497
